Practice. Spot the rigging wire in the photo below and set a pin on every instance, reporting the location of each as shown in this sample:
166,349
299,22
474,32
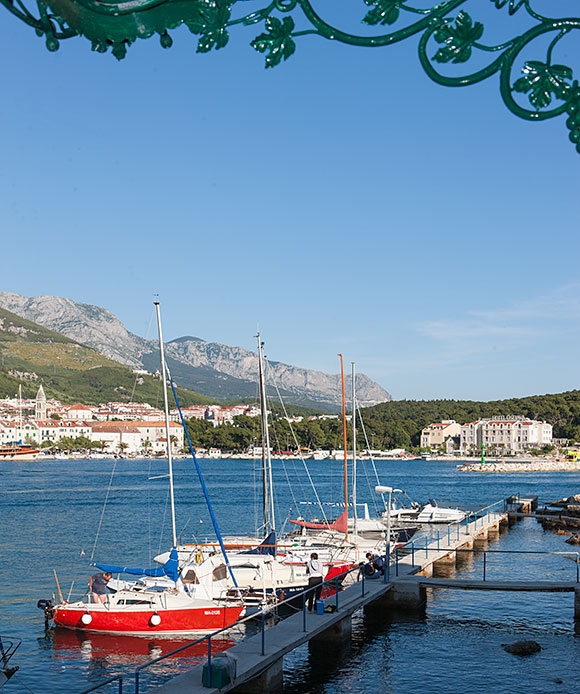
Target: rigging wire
300,453
103,509
284,467
373,463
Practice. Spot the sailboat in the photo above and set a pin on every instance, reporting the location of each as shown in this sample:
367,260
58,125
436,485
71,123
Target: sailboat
345,538
163,600
264,569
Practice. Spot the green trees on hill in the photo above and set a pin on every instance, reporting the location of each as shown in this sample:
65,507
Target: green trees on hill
396,424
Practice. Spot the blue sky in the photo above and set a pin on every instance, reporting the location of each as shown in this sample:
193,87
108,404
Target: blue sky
342,201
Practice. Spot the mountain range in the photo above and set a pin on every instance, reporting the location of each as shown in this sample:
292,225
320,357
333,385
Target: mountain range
70,372
212,369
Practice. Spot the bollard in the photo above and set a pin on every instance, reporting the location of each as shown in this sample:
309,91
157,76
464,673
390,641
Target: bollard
412,554
396,561
484,555
263,631
438,547
304,612
336,592
426,548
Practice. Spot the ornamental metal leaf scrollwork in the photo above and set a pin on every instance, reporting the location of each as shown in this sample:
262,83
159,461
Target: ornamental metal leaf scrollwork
214,21
450,38
514,5
277,42
542,80
458,39
383,12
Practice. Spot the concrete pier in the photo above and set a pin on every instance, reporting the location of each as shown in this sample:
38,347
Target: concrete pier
270,681
410,574
407,594
338,633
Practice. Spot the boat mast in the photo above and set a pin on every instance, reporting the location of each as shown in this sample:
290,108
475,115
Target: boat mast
20,411
344,445
354,449
268,496
167,433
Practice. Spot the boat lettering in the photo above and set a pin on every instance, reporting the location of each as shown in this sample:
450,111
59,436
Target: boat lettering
211,611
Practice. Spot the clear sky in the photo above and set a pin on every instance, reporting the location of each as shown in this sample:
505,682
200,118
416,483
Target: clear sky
342,201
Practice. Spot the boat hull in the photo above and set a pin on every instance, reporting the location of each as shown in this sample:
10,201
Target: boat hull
177,621
17,454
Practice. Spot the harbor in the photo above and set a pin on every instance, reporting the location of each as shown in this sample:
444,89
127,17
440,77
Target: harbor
451,619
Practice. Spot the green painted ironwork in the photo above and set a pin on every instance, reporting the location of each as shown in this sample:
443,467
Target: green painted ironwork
534,89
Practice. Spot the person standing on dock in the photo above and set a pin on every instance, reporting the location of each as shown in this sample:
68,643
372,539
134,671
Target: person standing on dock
314,571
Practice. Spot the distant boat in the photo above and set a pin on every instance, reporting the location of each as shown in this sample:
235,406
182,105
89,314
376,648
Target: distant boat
18,451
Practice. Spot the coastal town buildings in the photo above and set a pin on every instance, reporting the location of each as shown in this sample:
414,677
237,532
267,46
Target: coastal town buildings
36,432
216,414
444,434
137,436
505,435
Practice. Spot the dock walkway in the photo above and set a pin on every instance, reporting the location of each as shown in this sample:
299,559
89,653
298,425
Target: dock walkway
524,586
280,639
415,560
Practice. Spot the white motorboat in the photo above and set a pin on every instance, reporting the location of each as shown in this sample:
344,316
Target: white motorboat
430,512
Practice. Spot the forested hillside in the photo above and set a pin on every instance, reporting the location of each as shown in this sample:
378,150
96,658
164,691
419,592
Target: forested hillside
393,424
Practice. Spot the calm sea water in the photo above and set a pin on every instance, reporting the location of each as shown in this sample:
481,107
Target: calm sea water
52,519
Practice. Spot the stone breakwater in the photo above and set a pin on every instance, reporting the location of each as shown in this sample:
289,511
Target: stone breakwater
531,466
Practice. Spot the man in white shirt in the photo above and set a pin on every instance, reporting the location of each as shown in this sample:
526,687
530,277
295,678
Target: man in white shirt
314,571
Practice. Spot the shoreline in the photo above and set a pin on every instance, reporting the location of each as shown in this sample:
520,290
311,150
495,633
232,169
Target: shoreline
541,465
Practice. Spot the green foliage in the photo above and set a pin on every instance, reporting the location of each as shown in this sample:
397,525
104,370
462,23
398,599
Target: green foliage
561,410
71,372
396,424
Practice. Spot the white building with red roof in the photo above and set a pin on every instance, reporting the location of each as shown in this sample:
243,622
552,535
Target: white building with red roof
135,437
505,435
79,411
39,431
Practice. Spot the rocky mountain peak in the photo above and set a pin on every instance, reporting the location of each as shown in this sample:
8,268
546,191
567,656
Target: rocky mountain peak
211,368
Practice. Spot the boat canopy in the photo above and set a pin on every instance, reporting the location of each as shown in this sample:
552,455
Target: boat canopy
267,546
169,569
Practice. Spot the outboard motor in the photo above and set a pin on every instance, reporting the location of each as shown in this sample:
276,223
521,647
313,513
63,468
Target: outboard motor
47,607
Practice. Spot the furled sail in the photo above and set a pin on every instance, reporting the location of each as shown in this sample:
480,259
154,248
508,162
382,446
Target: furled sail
169,569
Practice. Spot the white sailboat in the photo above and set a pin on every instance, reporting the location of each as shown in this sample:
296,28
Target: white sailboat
164,600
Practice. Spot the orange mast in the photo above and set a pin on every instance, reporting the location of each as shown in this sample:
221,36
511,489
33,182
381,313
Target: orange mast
344,435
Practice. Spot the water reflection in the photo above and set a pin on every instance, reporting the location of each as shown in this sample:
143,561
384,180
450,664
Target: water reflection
107,654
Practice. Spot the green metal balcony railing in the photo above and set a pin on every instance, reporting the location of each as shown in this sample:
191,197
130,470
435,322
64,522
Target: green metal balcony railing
449,33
